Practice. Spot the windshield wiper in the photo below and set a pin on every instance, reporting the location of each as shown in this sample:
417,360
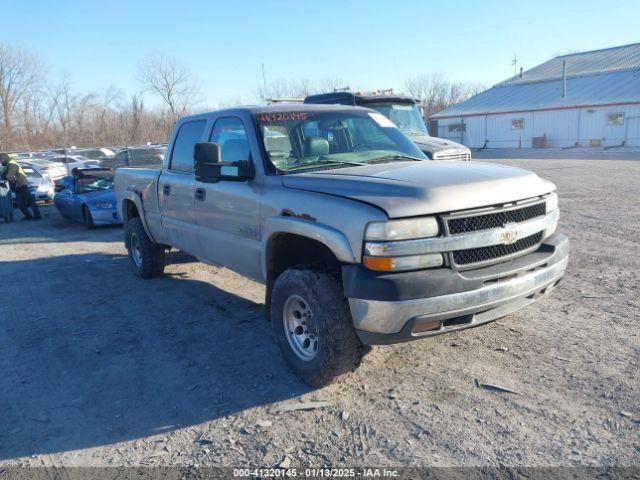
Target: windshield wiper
394,158
326,163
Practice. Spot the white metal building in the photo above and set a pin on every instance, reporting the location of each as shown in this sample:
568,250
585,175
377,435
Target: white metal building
583,99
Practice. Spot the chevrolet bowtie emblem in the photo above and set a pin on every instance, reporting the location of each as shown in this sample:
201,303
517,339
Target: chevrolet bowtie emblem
510,233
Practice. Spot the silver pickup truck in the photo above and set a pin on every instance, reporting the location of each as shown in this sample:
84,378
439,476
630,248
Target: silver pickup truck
357,238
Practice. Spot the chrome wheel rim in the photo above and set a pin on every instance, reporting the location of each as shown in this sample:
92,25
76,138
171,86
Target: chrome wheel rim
136,252
299,328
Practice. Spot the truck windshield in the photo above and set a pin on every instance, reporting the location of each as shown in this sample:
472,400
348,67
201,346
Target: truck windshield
406,116
299,140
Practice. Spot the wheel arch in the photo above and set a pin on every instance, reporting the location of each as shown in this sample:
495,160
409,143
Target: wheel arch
291,242
131,207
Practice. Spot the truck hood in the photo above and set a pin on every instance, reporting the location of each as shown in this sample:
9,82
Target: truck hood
434,144
406,189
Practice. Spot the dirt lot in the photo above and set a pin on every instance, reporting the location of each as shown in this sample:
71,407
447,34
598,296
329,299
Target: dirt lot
101,368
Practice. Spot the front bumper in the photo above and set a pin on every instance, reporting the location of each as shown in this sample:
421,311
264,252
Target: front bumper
394,308
105,216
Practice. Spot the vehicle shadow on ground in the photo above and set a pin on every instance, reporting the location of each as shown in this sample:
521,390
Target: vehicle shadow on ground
54,228
93,355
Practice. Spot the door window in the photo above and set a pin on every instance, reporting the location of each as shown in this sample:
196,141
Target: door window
182,156
229,133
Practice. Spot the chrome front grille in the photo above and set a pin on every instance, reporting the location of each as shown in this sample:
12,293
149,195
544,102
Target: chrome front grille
462,224
484,254
455,156
496,220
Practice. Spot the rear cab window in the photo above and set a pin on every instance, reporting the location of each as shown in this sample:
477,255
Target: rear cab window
182,155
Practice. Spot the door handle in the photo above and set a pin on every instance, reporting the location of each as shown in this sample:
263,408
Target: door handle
201,194
166,189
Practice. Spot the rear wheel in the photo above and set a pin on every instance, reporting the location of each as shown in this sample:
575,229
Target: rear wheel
313,327
146,257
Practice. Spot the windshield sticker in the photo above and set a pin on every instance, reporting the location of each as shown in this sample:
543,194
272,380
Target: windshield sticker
281,116
381,120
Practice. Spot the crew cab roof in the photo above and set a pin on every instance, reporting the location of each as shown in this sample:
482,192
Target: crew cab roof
349,98
280,107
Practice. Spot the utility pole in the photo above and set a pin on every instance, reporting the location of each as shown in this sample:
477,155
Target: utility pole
514,62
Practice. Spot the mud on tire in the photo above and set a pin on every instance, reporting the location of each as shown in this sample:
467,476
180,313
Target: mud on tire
145,256
338,348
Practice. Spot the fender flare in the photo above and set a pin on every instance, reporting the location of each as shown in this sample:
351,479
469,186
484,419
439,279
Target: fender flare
137,201
333,239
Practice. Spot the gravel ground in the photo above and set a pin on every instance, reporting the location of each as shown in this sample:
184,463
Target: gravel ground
101,368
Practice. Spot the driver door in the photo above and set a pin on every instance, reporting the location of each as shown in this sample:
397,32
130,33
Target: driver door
227,211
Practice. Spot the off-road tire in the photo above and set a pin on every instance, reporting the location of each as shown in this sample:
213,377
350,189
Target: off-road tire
151,254
339,349
87,218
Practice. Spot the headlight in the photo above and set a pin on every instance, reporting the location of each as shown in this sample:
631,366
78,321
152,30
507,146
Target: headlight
402,229
398,264
397,231
103,205
552,206
552,202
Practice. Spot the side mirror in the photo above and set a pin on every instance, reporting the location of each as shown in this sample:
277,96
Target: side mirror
209,168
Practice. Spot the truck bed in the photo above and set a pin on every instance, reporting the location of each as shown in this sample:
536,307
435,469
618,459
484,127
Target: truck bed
143,181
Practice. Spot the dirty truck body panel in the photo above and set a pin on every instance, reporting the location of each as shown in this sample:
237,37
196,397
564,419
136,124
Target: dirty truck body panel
424,247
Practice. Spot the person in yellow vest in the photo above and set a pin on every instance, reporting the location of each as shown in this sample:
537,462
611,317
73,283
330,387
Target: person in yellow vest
14,174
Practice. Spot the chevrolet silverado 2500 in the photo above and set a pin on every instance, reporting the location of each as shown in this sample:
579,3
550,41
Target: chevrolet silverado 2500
358,239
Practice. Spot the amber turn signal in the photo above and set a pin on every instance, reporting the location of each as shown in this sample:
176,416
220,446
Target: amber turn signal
383,264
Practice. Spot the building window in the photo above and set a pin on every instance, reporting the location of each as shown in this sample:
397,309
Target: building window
615,118
517,124
457,128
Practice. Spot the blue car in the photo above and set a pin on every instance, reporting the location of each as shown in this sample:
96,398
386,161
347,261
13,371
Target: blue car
87,196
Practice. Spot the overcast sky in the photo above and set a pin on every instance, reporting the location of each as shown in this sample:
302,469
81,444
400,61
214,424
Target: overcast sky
370,44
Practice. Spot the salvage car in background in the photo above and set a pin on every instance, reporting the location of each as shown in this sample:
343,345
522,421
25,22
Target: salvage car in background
74,161
146,157
99,153
87,196
40,184
54,170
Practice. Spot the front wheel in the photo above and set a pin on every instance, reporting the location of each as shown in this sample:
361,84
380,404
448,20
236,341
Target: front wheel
146,257
312,325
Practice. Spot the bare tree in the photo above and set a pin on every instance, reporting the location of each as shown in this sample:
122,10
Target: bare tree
330,84
292,89
170,80
62,100
283,88
136,112
36,115
436,93
20,72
